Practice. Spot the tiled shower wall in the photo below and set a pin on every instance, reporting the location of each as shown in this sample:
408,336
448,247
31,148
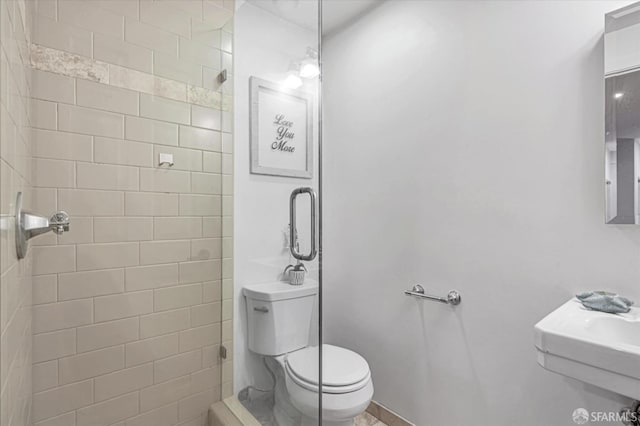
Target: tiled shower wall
15,175
131,305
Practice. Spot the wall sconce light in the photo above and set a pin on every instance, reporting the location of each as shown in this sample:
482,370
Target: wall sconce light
309,67
293,80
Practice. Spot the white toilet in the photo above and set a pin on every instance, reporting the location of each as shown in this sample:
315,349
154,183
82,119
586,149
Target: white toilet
279,317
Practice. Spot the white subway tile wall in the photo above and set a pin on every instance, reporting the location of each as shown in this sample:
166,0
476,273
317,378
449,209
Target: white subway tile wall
16,119
128,311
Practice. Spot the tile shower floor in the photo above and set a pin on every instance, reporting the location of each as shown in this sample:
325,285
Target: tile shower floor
260,405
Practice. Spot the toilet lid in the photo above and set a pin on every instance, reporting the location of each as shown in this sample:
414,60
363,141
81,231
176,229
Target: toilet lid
340,367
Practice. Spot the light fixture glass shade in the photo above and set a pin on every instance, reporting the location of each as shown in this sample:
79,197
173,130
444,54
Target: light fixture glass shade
309,70
309,67
292,81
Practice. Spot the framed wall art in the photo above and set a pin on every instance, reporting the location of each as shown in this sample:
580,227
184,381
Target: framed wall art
281,130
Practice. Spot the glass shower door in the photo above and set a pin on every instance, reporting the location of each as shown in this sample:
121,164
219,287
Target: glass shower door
276,213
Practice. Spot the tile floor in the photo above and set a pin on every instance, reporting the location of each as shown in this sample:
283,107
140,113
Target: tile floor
366,419
261,406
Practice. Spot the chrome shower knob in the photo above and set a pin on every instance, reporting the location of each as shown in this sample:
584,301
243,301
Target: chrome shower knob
59,222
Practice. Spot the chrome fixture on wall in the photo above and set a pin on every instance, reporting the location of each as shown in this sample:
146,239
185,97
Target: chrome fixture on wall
293,231
164,158
29,225
453,297
222,77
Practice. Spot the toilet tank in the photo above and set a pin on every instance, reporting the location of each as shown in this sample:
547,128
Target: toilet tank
279,316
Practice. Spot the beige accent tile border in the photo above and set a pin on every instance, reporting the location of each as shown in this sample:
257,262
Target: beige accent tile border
139,81
205,97
72,65
69,64
387,416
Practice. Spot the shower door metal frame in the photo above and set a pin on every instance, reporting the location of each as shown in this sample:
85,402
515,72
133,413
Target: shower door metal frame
320,216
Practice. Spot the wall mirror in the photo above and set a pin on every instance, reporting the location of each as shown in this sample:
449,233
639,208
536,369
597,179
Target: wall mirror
622,115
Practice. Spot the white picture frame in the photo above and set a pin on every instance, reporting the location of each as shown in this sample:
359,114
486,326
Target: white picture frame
281,131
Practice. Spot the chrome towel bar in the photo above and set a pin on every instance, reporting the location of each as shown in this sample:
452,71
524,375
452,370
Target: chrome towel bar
453,297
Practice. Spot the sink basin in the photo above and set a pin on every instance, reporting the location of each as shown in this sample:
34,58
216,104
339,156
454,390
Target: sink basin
615,330
594,347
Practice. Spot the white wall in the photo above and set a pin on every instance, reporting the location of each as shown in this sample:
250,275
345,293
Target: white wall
464,149
264,46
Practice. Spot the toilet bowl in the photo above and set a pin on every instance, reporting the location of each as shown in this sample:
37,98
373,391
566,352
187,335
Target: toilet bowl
279,318
347,387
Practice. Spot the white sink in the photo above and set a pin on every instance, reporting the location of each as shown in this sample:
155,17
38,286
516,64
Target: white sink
594,347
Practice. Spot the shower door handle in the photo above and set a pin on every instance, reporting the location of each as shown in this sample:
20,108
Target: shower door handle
292,224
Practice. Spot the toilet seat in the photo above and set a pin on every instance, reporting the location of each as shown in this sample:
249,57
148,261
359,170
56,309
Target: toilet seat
343,371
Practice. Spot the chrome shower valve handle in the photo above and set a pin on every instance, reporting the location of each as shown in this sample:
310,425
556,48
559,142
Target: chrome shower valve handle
29,225
59,222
